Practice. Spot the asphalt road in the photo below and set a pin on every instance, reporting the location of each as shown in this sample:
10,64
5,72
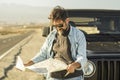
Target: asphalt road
7,43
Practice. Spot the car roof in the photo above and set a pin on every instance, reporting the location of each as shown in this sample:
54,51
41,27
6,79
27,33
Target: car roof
92,12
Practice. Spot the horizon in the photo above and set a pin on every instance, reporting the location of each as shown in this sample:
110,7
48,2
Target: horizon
15,11
22,14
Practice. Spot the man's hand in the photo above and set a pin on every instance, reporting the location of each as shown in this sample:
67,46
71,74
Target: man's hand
29,63
72,67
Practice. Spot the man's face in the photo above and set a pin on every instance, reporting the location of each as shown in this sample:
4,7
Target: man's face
61,26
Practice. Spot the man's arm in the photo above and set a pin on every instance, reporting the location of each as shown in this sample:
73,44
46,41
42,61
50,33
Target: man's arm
29,63
81,56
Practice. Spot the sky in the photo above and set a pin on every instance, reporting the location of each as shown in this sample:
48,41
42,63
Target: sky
31,11
93,4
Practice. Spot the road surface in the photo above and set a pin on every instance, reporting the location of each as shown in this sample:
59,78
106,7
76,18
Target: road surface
26,52
7,43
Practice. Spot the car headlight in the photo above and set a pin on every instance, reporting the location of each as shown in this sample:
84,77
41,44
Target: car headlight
90,69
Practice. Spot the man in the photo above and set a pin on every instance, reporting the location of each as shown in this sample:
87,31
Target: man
65,43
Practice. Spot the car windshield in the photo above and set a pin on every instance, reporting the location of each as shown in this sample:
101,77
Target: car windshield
102,33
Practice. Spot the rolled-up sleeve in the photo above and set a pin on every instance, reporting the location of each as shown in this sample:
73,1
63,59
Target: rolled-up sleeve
81,50
42,54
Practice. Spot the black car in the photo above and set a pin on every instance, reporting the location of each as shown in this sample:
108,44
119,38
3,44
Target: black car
102,31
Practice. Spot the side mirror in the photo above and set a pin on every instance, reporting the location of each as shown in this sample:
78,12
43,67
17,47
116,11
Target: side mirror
45,31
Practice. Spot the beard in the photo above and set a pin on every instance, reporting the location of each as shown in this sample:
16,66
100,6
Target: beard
61,32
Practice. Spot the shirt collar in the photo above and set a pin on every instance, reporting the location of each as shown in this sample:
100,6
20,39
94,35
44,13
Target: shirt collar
71,30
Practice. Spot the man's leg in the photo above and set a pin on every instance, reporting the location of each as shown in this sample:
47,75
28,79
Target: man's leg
76,78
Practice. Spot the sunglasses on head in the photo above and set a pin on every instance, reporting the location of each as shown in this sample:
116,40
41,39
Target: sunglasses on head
59,25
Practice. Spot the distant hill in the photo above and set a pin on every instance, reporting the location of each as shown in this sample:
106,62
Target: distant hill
12,13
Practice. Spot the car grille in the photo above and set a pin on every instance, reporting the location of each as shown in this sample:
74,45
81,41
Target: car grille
108,69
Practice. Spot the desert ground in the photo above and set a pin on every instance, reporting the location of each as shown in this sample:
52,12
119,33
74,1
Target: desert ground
26,50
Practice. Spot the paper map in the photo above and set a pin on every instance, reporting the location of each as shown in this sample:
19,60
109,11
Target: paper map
49,65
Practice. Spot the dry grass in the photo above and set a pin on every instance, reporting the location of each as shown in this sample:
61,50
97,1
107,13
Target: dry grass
11,31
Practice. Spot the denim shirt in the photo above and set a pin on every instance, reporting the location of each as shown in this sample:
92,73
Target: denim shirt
78,47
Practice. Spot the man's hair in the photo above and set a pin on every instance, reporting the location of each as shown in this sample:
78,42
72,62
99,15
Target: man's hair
58,13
